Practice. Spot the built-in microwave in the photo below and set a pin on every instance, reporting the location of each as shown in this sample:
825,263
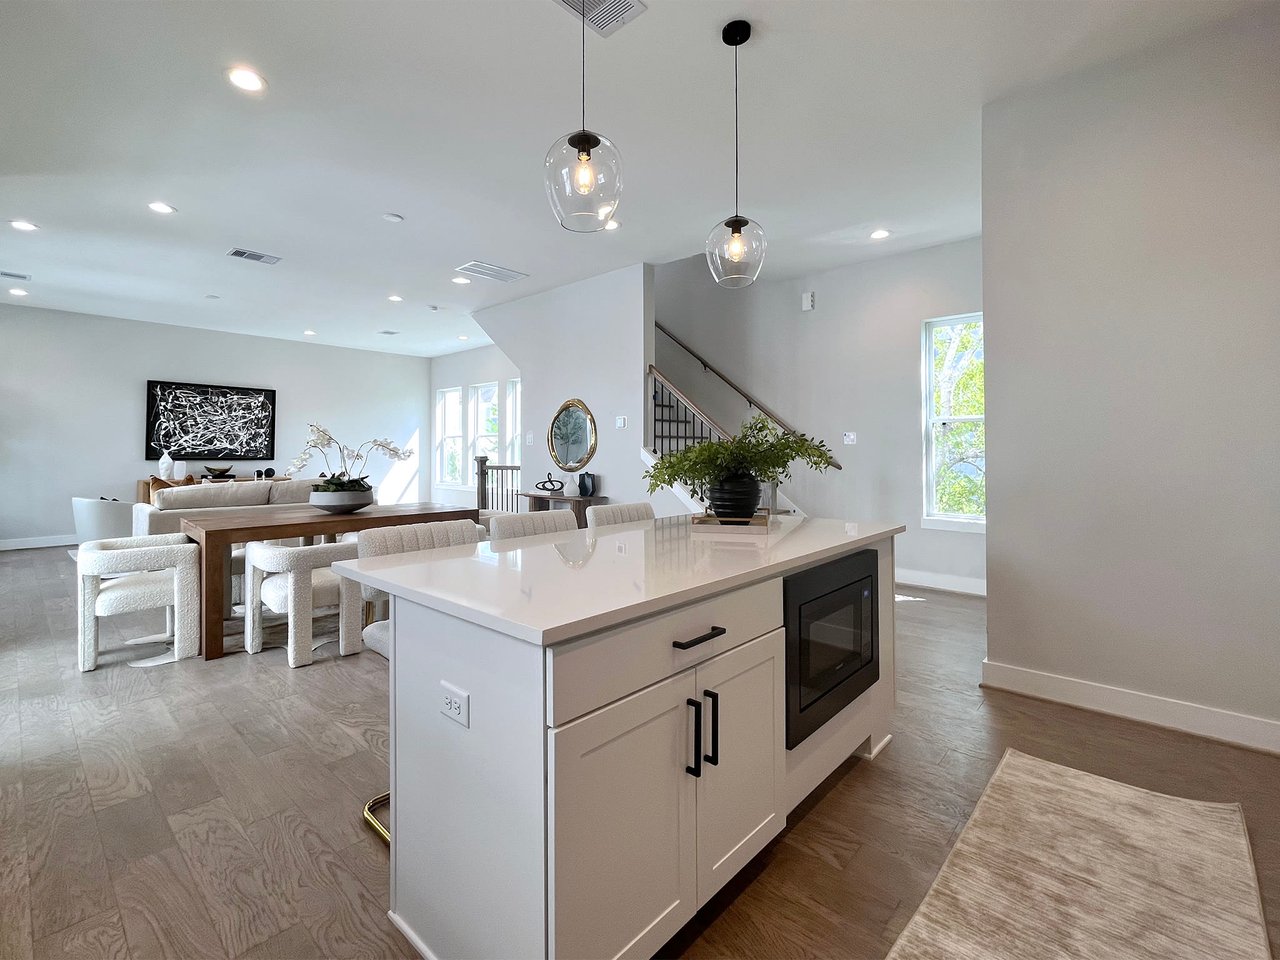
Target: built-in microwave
832,619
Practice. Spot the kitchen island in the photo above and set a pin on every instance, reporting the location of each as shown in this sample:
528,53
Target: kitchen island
589,729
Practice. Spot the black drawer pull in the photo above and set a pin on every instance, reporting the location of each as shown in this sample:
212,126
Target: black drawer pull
709,635
696,769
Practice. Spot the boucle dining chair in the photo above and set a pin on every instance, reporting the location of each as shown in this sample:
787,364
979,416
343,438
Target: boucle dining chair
132,574
353,635
607,514
295,581
513,525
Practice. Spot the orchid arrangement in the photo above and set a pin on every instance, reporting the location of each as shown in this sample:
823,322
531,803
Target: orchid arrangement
351,462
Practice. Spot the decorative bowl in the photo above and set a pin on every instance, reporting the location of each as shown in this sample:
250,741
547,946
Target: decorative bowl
216,471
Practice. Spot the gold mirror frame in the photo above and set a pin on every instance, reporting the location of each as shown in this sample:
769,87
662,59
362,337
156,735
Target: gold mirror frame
575,403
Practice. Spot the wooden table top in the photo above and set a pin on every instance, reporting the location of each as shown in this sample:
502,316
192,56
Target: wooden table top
301,519
541,495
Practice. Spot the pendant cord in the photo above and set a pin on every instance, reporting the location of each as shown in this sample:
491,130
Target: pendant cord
584,64
735,131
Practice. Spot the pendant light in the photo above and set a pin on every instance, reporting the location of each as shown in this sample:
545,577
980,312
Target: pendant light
735,248
583,169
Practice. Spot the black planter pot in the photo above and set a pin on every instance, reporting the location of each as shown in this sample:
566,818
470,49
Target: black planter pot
735,497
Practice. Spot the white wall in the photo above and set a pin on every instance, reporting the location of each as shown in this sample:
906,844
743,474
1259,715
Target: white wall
1132,258
851,364
73,407
481,365
589,340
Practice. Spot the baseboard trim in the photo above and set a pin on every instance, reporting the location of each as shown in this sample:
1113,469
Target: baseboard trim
1257,733
975,586
414,940
34,543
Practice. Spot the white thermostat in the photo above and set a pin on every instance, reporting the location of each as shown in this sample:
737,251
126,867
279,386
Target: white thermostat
455,704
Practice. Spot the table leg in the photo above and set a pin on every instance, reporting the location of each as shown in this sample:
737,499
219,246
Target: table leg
537,504
215,574
579,513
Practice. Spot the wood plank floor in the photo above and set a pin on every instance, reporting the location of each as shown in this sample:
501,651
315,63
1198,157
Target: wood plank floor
210,809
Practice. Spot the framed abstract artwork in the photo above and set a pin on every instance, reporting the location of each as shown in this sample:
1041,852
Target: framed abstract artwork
202,421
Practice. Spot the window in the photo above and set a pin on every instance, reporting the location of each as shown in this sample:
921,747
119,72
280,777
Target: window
513,421
449,447
485,426
955,455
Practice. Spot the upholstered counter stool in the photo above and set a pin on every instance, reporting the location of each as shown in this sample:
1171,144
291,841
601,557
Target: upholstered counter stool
295,581
132,574
606,515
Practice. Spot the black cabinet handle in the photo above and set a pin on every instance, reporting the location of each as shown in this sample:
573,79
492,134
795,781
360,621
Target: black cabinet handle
709,635
713,757
696,769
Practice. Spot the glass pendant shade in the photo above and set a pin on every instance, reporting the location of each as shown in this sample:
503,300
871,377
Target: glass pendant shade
735,252
584,181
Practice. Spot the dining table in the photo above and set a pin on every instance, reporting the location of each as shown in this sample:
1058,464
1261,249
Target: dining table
221,529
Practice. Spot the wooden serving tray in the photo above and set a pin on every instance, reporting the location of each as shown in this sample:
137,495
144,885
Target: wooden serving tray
756,524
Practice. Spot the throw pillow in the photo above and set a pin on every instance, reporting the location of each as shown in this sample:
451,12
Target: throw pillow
158,483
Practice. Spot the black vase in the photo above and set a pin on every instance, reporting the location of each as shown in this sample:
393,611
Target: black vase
586,484
735,497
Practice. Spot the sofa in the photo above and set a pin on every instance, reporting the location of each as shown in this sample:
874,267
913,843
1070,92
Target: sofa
169,507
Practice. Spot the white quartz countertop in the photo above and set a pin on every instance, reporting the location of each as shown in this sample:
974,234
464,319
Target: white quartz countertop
555,587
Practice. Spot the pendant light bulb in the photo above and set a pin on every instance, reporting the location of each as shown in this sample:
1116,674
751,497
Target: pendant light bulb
735,248
583,170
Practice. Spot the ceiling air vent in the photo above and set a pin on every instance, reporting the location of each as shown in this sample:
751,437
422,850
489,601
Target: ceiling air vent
487,271
14,276
604,16
252,255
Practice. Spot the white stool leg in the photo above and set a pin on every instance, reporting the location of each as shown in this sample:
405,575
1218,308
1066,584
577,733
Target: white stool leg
168,621
349,626
88,633
301,611
253,577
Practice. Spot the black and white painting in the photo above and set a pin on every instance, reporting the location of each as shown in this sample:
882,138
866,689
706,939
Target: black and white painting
200,421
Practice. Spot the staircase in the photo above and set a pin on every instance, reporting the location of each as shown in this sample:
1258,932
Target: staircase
677,422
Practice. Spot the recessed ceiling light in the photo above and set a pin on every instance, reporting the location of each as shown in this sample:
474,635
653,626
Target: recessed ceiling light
389,333
463,336
159,206
18,292
880,234
462,280
393,218
212,296
248,80
23,225
308,333
395,299
612,225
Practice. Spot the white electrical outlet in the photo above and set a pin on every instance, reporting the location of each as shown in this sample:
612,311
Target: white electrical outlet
528,439
455,704
620,423
850,438
806,300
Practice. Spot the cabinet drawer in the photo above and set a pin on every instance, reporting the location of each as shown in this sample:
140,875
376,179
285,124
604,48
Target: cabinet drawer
588,673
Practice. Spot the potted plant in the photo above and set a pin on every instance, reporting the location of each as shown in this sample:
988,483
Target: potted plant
729,472
345,490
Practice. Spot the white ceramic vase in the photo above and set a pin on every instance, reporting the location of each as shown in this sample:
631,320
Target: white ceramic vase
165,466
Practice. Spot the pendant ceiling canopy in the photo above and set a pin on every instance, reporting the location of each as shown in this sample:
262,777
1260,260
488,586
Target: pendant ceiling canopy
583,170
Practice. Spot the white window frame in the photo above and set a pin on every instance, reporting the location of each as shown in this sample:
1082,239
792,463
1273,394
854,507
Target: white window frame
471,422
930,520
511,424
441,436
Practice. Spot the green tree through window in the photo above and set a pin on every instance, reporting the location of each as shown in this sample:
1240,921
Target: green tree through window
955,429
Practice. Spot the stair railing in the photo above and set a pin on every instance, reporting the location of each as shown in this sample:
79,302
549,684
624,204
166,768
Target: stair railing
752,402
497,485
676,422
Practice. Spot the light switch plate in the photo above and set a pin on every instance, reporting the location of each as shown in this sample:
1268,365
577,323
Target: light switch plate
850,438
620,423
806,300
528,438
455,703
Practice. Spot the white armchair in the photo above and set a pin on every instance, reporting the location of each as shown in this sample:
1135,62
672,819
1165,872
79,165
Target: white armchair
164,571
295,581
607,514
512,525
380,542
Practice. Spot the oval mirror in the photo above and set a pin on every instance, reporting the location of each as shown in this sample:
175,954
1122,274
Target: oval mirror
571,439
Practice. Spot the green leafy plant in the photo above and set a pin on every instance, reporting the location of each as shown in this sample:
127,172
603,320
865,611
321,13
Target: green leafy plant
760,450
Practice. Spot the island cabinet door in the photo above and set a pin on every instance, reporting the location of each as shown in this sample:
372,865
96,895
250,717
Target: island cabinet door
623,870
740,793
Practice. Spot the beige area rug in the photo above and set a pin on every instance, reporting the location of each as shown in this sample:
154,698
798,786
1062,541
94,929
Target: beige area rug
1058,863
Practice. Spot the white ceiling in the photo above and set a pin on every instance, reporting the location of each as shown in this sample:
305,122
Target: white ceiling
855,115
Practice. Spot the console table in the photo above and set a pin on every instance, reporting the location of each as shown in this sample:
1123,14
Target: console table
540,501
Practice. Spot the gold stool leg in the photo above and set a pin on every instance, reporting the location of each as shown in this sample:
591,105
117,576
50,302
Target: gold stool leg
381,800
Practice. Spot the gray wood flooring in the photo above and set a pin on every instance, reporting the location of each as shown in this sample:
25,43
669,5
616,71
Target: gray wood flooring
211,809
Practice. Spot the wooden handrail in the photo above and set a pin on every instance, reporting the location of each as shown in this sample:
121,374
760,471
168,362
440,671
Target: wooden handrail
710,367
675,391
